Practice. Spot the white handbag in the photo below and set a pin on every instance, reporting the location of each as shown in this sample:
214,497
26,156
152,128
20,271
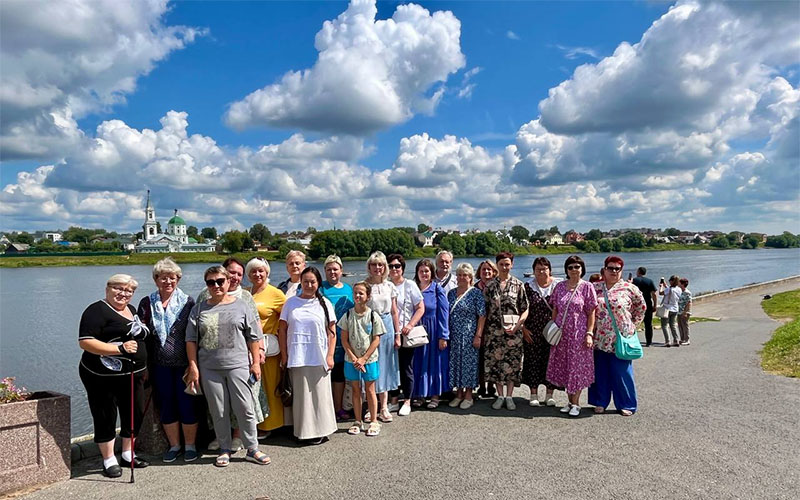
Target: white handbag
416,337
273,347
552,332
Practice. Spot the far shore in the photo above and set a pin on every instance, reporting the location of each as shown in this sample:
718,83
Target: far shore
134,259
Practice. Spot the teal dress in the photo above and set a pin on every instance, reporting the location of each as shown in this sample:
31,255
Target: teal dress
342,300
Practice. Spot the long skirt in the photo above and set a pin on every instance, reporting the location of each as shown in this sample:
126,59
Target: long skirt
534,363
388,363
270,375
312,402
463,359
571,363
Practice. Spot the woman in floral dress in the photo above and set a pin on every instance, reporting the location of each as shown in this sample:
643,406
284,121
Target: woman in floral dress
467,316
506,310
614,376
571,364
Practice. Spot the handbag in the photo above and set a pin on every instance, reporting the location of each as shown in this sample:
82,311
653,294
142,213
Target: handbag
192,389
273,347
662,312
625,348
284,388
552,332
416,337
510,320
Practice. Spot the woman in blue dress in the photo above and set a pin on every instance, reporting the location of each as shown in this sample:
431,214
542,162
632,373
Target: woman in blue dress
431,361
467,316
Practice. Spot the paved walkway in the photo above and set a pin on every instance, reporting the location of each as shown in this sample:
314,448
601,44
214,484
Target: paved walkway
711,425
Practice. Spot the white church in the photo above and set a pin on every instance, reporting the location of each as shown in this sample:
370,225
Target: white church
173,241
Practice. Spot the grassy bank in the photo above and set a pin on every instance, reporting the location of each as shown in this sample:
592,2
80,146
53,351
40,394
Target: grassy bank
781,354
126,260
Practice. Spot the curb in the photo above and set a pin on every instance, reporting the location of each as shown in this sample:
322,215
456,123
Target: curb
745,289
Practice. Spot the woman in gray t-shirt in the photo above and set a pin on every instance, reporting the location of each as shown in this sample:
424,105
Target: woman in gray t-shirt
223,337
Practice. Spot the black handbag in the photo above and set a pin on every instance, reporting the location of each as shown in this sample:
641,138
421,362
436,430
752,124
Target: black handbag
284,388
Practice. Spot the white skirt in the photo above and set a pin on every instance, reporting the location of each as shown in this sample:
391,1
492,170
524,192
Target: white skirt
312,406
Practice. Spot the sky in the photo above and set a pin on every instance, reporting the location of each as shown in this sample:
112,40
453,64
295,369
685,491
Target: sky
372,115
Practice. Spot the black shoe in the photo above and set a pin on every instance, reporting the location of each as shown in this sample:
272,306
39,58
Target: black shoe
113,471
314,442
138,463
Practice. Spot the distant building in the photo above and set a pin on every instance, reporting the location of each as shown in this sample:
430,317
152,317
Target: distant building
174,240
572,237
554,239
17,248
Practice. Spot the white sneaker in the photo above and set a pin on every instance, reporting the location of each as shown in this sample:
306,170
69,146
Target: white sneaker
498,403
574,411
566,408
534,402
405,409
510,403
455,402
551,402
236,445
213,445
393,407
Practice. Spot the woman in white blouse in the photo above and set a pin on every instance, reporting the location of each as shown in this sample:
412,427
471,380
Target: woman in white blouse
383,300
307,339
672,295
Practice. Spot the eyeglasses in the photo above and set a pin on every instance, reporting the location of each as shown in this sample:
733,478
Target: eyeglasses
216,282
395,266
574,267
122,291
613,269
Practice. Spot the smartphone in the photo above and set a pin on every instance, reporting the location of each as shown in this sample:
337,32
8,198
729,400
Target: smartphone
252,380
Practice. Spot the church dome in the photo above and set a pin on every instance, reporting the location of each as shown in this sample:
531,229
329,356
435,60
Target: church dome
176,220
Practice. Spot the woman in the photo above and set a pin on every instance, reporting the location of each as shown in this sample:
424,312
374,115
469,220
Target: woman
574,302
487,270
684,310
112,338
295,263
614,376
432,360
269,302
506,311
222,343
536,350
672,295
410,308
307,339
261,408
383,300
467,317
341,296
166,314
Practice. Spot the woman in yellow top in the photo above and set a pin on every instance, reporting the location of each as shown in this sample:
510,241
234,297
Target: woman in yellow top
269,302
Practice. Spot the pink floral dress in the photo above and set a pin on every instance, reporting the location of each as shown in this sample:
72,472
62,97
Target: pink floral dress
571,363
628,306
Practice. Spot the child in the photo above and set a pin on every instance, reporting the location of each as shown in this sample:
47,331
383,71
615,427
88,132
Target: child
361,331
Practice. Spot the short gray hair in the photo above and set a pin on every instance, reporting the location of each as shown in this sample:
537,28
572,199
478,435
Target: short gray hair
166,266
256,263
332,259
122,279
465,268
444,252
295,253
216,270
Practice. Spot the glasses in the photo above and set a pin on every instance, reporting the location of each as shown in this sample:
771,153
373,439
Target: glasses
216,282
122,291
395,266
613,269
574,267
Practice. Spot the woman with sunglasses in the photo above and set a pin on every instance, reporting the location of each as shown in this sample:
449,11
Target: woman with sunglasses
112,338
614,376
571,364
222,343
307,337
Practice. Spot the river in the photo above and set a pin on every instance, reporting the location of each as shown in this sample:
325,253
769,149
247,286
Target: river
40,307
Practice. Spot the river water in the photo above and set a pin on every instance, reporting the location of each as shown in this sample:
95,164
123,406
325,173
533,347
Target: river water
40,307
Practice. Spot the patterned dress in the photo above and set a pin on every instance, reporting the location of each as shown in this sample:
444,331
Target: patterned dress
503,359
571,363
464,315
628,306
537,354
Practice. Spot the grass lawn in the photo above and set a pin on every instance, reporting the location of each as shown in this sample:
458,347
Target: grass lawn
781,354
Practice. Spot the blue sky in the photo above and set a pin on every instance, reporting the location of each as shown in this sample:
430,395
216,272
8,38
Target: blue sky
461,114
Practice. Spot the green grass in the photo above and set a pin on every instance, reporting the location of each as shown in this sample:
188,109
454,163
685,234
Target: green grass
126,260
781,354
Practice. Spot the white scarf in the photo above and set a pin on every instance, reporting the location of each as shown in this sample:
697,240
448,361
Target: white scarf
163,319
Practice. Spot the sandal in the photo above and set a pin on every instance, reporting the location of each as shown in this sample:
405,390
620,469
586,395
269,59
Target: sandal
355,428
385,416
626,413
433,404
599,409
374,429
417,403
257,457
367,417
223,459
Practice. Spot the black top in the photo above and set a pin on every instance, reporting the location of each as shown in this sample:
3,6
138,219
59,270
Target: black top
646,286
173,352
100,321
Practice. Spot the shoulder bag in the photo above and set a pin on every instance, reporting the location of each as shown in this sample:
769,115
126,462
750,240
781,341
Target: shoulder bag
417,336
284,388
552,332
662,311
272,345
625,348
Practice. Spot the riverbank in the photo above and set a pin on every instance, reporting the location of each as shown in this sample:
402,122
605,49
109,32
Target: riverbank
213,257
781,355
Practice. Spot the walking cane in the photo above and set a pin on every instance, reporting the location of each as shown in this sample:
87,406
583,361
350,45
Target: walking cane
133,438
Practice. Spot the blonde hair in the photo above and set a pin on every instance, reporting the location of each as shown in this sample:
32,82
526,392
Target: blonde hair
122,279
295,253
489,263
378,257
465,268
166,266
332,259
256,263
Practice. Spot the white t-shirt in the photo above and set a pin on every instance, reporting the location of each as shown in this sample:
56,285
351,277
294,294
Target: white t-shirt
408,296
544,291
306,339
447,283
671,297
380,298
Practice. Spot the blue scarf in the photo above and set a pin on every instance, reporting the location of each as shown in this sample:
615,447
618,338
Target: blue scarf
163,319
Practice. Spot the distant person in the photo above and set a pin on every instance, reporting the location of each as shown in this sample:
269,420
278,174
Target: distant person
166,314
112,338
467,317
648,289
445,278
432,360
672,295
361,331
684,310
614,376
410,308
571,361
341,296
595,277
295,263
487,270
506,311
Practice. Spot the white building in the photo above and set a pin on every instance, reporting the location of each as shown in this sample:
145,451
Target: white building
174,240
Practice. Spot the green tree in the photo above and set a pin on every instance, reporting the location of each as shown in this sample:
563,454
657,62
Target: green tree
553,230
671,231
454,243
421,228
605,245
23,237
469,244
192,232
594,235
234,241
287,247
616,245
519,233
750,241
651,242
720,241
785,240
209,233
437,240
260,233
633,240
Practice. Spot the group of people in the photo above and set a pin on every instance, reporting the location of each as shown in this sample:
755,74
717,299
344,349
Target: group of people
676,307
268,357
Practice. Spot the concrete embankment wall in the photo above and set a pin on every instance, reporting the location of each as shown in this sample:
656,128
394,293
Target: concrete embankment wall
746,289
